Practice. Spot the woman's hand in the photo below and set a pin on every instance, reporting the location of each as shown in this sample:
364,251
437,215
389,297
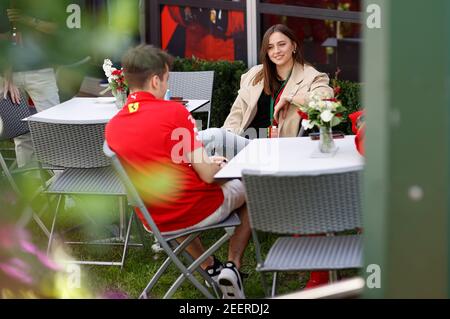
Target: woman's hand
9,87
281,108
13,91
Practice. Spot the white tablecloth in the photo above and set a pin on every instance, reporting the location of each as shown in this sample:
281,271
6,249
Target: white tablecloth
84,110
292,155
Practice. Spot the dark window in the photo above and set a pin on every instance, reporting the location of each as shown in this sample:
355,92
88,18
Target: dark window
330,41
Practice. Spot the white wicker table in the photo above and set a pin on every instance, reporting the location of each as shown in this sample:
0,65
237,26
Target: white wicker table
85,110
286,155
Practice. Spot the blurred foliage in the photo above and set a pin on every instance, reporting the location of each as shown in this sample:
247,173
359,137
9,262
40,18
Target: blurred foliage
105,32
26,271
227,77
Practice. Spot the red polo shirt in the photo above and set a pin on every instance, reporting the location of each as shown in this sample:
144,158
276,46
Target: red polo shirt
152,138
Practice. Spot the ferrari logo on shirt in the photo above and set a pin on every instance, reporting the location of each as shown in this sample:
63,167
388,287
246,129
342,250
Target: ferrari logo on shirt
133,107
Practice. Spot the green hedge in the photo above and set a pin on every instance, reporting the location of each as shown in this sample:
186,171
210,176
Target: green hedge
350,97
227,78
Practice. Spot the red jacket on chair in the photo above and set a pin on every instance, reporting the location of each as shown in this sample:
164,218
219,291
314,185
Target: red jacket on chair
359,128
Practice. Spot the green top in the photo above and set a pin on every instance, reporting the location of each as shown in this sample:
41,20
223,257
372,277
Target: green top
275,97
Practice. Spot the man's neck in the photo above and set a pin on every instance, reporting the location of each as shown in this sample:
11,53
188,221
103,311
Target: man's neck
143,90
284,70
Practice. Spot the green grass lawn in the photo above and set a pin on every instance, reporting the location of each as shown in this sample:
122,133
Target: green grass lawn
141,263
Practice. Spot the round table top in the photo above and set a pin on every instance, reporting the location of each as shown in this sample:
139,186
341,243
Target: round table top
84,110
297,155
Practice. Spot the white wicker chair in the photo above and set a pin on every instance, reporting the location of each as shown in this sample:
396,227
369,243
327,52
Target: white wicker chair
294,204
193,85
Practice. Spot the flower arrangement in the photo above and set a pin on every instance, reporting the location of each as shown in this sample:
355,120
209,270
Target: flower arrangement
321,111
324,112
116,79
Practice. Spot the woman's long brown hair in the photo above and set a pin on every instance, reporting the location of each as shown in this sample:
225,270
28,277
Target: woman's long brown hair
269,71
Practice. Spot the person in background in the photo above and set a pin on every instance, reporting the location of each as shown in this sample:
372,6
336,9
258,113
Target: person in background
28,31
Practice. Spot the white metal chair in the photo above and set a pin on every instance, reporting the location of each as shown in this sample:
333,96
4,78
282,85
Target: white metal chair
193,85
295,204
169,243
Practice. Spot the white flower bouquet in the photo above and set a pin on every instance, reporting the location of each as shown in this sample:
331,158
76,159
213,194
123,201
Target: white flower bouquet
321,111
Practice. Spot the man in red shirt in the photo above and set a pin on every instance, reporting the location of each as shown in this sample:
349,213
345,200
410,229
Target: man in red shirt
158,144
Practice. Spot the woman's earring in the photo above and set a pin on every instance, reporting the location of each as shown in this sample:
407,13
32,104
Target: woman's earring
294,52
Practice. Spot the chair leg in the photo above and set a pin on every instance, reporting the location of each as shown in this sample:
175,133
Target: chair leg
41,225
8,174
274,284
195,265
209,118
139,228
30,214
264,283
44,185
333,276
13,165
122,217
204,274
52,231
127,239
165,265
155,278
260,263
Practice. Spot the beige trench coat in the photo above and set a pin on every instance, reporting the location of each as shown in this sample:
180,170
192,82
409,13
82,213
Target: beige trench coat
304,81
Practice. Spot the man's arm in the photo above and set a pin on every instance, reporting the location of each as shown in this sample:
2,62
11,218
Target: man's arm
204,166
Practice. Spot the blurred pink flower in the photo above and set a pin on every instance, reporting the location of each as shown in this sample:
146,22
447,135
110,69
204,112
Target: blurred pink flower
20,264
47,262
16,273
28,247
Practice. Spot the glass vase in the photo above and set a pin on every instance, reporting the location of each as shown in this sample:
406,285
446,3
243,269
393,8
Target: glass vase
326,143
121,98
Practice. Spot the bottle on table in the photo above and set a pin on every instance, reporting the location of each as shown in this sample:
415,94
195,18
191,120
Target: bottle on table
273,132
167,96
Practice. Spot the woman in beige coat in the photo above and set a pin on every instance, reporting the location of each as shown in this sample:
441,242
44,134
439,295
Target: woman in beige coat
266,94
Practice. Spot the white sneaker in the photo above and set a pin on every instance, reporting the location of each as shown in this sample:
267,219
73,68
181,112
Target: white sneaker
214,271
230,282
